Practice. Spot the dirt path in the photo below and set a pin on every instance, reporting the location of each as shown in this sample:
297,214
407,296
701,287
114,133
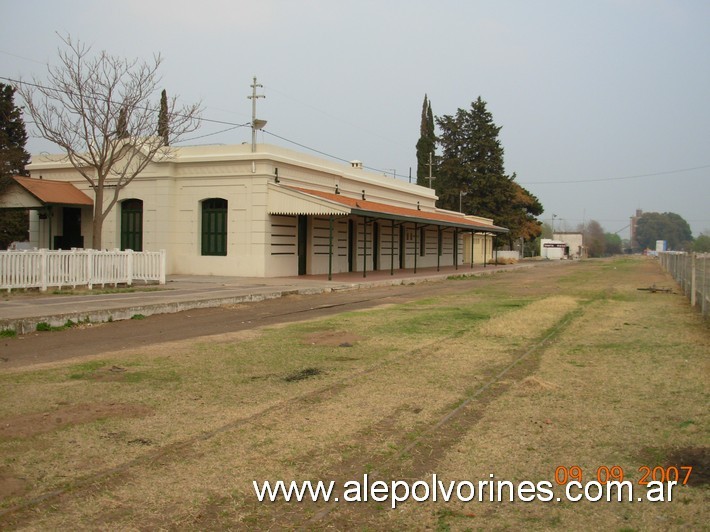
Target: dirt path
506,374
45,347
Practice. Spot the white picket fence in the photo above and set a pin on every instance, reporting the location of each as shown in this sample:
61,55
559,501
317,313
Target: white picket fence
43,268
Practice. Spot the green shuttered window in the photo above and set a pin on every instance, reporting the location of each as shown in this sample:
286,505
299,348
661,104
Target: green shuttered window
214,227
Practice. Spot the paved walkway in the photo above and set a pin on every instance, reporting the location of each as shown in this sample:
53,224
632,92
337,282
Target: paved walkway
22,312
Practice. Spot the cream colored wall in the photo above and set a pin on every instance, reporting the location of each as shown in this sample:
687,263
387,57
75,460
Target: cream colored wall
478,248
35,230
248,227
318,249
412,249
16,197
172,192
573,240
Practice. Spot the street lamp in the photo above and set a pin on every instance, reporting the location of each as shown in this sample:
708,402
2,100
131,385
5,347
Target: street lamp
553,226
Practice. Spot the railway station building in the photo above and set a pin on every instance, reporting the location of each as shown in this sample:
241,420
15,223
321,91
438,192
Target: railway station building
271,212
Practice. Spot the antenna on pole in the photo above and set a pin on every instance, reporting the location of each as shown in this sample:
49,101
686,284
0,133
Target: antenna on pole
255,124
430,178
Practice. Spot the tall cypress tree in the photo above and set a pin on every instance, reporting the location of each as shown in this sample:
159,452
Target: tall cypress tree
122,124
13,135
13,158
163,130
426,143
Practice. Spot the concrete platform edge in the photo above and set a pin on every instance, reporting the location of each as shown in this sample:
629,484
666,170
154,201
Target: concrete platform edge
29,324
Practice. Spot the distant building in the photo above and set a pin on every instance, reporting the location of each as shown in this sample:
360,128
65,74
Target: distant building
552,249
575,248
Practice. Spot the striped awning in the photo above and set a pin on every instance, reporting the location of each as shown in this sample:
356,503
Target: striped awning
341,204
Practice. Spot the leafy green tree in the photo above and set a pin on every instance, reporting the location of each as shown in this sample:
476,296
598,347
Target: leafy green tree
668,226
521,216
702,244
426,144
472,162
613,244
14,224
471,173
163,121
545,232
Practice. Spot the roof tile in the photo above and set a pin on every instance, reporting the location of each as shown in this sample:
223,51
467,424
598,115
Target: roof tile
53,192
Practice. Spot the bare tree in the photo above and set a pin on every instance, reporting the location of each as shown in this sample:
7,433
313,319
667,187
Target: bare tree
594,239
98,110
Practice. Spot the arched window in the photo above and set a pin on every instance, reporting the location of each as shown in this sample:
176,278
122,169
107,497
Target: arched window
132,224
214,226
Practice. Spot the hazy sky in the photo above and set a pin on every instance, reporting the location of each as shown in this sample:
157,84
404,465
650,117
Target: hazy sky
588,92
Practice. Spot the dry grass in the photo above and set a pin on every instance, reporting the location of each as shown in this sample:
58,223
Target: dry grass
219,413
529,322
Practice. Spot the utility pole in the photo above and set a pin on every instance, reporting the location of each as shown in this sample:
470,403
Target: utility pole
430,178
254,125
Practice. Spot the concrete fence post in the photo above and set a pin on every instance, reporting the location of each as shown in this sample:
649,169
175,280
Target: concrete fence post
705,290
693,285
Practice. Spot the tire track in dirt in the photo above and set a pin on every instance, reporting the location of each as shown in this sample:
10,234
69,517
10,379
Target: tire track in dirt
415,457
119,474
57,346
172,452
426,449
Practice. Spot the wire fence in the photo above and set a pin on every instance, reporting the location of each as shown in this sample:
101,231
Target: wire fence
692,271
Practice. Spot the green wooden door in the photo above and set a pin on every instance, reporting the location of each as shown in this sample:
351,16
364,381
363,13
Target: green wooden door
132,225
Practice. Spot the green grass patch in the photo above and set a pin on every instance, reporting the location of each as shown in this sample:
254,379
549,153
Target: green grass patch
308,412
135,372
82,371
440,321
43,326
8,333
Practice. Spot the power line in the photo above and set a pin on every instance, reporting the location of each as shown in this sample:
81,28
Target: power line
331,116
215,133
38,86
23,57
212,121
305,147
378,170
234,125
677,171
